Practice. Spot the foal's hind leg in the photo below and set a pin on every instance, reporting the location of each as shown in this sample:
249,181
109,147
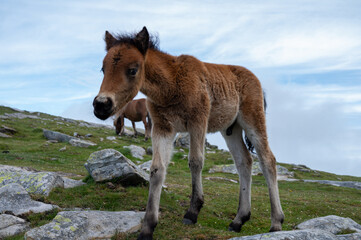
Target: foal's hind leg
243,162
195,162
256,132
135,129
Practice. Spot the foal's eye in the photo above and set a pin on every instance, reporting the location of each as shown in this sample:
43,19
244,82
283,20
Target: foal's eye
132,71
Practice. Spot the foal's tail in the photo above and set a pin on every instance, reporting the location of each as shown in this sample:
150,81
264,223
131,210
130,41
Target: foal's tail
248,142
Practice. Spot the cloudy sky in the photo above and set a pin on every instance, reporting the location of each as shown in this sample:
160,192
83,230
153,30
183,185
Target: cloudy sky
307,55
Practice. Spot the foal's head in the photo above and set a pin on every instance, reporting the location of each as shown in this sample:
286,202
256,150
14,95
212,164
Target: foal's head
123,68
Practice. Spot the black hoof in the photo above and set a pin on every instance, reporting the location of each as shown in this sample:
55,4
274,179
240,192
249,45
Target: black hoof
275,229
235,227
190,218
145,236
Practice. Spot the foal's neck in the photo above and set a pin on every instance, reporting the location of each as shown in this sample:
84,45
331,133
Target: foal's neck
159,80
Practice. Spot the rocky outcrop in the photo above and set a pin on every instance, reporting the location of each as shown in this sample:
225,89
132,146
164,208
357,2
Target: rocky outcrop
83,225
331,223
322,228
109,164
348,184
81,143
135,151
15,199
282,172
11,225
34,182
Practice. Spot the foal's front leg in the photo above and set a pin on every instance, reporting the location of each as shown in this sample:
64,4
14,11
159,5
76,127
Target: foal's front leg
195,161
162,151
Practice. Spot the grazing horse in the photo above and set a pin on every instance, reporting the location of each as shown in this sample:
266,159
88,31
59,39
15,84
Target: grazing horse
135,111
187,95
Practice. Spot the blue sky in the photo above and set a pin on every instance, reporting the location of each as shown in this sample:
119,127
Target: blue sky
307,55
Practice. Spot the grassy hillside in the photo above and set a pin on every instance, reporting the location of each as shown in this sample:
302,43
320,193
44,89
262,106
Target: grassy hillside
300,201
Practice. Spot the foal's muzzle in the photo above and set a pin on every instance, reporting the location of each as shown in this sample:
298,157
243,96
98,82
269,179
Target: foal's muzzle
103,107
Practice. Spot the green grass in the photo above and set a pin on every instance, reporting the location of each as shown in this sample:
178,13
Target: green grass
300,201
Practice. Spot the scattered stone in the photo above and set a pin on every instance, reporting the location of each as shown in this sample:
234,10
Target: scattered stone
110,185
288,235
101,139
109,164
52,141
182,140
16,200
52,135
75,134
11,225
63,149
181,150
300,167
149,151
210,145
222,179
71,183
3,135
146,166
137,152
348,184
81,143
111,138
88,135
9,130
87,225
331,223
229,168
127,132
33,182
93,125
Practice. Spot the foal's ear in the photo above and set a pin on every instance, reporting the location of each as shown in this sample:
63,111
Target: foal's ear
109,40
142,40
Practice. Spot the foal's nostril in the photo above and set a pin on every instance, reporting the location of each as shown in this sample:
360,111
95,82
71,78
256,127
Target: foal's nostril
102,107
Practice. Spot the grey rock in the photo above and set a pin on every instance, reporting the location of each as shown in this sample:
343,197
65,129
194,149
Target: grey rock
349,184
71,183
88,135
111,138
52,135
150,150
15,199
352,236
9,130
137,152
182,140
84,225
109,164
282,172
63,149
81,143
11,225
33,182
331,223
21,115
291,235
3,135
94,125
146,166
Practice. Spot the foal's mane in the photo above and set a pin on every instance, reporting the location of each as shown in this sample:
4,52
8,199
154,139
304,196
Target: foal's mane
129,39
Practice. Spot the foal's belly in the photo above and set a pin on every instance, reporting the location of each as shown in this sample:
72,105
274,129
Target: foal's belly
222,115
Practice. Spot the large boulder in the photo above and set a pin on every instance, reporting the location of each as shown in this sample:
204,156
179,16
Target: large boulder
109,164
83,225
34,182
15,199
349,184
136,151
182,140
11,225
331,223
53,135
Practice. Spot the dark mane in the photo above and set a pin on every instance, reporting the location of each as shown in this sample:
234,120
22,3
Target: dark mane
129,38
